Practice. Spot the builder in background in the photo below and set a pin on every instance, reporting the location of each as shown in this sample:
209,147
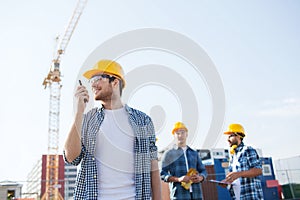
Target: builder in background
114,143
244,167
182,167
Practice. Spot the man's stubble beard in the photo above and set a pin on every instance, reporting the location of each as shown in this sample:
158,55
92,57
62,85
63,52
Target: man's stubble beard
105,95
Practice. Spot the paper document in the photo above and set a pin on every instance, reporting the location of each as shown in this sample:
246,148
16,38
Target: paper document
221,182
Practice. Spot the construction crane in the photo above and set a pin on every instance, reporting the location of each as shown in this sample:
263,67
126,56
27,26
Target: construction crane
52,81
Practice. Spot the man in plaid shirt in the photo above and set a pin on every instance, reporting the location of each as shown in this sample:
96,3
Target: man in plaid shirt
114,144
176,165
244,167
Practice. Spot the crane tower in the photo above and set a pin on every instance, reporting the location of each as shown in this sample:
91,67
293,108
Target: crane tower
52,81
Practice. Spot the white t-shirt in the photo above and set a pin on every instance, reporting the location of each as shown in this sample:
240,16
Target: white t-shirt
115,156
186,162
236,184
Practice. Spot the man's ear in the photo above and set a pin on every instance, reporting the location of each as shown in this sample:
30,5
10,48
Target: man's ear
115,82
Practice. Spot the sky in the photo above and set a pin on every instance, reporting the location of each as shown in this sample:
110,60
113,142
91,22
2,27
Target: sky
252,45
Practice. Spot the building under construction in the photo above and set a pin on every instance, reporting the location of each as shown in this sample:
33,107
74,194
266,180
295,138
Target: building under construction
37,179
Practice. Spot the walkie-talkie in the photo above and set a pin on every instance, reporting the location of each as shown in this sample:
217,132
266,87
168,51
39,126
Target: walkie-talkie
85,100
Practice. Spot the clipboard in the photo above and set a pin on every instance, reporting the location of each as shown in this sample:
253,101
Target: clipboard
220,182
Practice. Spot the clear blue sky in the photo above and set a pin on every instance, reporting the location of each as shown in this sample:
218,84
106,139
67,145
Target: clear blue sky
254,45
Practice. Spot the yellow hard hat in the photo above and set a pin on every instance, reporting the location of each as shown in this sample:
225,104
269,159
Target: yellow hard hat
108,67
178,125
236,129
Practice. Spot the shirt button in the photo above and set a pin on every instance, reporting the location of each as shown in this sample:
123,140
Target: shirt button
93,158
95,176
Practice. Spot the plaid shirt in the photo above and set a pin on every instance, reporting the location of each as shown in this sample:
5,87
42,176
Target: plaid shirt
173,164
250,187
145,151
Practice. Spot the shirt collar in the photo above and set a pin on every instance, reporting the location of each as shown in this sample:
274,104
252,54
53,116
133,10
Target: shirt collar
100,108
240,147
127,108
177,147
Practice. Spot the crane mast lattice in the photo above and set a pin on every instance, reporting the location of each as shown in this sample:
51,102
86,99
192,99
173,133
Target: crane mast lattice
52,81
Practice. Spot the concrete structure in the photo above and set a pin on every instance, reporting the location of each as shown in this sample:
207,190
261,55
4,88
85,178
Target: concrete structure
70,179
288,175
10,189
34,179
288,170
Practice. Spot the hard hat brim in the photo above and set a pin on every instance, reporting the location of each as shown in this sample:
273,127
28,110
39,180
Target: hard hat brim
228,132
90,73
176,129
236,133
